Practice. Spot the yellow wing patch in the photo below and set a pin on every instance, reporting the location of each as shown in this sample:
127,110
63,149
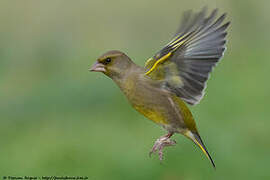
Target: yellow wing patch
163,58
179,40
152,63
149,63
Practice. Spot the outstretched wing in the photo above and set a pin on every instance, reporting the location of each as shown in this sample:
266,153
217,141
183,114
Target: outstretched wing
185,63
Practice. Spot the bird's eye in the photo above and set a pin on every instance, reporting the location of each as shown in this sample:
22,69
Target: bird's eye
108,60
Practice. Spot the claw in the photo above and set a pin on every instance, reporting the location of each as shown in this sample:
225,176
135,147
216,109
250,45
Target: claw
160,144
153,150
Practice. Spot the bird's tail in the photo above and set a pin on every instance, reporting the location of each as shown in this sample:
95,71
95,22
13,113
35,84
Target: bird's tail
195,137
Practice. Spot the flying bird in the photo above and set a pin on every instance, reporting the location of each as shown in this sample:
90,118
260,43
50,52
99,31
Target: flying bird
173,77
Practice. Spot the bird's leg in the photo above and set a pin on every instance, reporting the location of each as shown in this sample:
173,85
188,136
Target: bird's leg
160,143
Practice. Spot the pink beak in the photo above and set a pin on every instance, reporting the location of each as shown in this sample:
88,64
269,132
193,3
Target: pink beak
97,67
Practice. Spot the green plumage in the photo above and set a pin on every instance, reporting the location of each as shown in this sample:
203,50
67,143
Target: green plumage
176,74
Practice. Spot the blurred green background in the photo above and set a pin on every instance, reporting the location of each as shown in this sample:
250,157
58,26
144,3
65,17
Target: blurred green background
56,118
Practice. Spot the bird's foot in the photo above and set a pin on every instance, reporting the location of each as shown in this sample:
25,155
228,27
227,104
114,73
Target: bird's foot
160,143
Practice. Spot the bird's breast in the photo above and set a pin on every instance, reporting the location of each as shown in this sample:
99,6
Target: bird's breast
154,103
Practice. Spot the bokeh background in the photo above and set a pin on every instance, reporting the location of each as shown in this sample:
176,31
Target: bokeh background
56,118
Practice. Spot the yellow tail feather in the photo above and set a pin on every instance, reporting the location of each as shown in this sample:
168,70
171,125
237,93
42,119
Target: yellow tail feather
195,137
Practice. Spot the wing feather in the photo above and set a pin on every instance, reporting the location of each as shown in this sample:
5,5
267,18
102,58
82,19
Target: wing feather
187,60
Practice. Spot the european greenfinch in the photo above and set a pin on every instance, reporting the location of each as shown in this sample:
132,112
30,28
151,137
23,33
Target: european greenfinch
174,76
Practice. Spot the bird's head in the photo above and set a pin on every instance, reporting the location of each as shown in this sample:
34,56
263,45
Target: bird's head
113,63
